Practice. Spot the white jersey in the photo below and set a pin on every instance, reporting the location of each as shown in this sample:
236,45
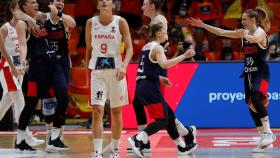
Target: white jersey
106,41
11,42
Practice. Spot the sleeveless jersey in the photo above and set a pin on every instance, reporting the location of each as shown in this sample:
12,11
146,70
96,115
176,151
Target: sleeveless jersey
37,43
255,56
148,69
11,43
57,36
106,41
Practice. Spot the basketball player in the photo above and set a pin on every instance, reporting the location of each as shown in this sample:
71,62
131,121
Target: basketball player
57,25
44,73
256,71
152,60
104,34
9,74
12,92
151,9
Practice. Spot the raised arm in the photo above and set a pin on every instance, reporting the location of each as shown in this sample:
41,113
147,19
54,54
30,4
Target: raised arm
160,57
68,21
214,30
19,14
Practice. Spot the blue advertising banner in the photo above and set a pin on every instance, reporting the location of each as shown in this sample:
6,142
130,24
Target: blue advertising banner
214,98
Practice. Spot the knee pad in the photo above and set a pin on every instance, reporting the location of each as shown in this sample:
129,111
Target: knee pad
49,106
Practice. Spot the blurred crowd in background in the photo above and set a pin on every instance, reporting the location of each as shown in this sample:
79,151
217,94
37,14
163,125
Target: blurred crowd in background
223,13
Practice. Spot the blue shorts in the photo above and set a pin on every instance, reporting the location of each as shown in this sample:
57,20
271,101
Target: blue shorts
44,74
152,98
255,83
65,63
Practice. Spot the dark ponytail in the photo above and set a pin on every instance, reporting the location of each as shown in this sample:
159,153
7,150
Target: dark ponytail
11,6
21,3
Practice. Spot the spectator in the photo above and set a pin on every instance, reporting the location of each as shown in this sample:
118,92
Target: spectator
3,4
272,53
175,35
84,9
210,12
131,11
275,38
227,54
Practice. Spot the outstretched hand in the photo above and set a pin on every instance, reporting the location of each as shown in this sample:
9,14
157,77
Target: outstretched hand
242,32
195,22
189,53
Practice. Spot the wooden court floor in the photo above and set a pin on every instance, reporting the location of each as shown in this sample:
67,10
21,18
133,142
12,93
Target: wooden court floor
213,143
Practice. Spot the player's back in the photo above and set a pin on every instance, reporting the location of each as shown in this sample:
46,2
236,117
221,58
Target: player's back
148,68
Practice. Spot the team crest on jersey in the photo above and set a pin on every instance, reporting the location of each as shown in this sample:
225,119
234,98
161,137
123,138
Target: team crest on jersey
113,29
95,26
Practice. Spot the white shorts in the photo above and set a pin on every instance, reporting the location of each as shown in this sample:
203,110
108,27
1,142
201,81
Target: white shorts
103,85
9,82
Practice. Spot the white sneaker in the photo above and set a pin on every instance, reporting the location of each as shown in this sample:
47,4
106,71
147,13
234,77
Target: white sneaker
115,155
97,155
31,140
267,139
261,149
189,149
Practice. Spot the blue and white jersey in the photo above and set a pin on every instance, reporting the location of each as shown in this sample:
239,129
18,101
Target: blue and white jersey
147,68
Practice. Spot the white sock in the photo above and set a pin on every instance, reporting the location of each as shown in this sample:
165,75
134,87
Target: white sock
142,136
97,145
27,132
181,128
266,125
55,133
180,142
141,127
115,145
20,136
260,129
48,134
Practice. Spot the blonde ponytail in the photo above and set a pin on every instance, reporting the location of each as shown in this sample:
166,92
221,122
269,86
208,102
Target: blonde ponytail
263,19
